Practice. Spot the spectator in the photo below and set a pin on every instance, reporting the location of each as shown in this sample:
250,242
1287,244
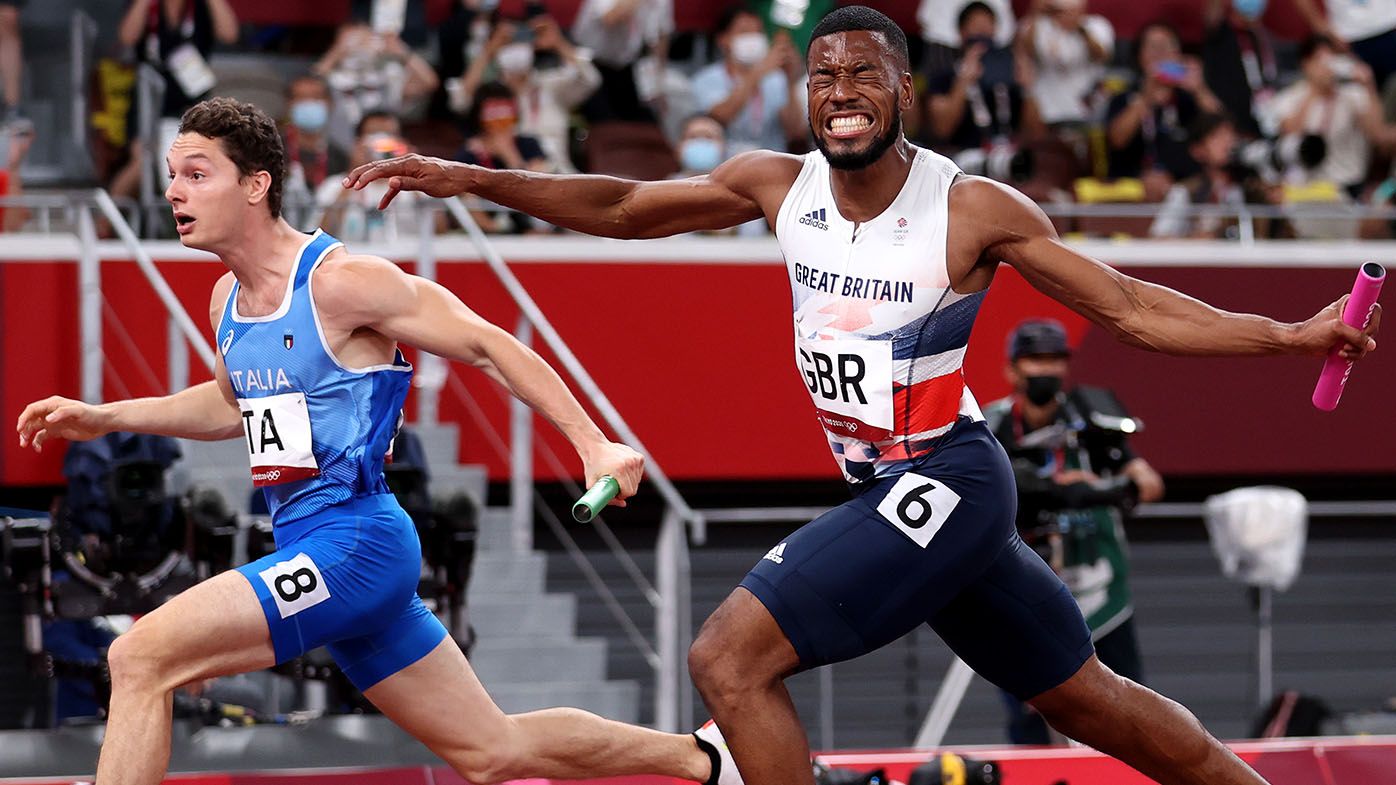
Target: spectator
754,90
1076,479
979,104
617,32
1238,60
353,216
1334,99
702,146
550,77
176,37
494,142
1069,50
1146,130
372,72
1365,28
309,156
21,138
1383,197
1213,143
940,29
11,62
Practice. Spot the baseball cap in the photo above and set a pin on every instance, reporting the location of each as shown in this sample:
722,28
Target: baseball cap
1038,336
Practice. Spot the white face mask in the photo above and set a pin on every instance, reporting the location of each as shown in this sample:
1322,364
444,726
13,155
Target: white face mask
750,48
515,58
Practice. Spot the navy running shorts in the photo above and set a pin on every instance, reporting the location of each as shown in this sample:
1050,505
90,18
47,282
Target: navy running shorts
935,545
346,578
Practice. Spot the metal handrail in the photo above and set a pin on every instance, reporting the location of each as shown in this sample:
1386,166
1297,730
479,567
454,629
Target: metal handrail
569,361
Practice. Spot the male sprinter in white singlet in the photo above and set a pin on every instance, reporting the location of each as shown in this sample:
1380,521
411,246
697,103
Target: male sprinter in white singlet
890,250
310,378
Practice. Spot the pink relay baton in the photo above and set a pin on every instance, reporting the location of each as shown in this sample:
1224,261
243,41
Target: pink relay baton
1356,313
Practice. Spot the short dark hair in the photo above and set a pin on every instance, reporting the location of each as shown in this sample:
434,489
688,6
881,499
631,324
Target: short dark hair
973,8
249,138
729,15
376,114
852,18
489,91
1205,125
1313,43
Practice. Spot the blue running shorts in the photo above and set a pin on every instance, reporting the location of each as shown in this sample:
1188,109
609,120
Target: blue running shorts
934,545
346,578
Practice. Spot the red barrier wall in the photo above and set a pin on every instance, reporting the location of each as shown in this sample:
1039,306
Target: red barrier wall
698,358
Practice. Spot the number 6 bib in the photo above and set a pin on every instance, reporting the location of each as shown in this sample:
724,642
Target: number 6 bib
918,506
279,446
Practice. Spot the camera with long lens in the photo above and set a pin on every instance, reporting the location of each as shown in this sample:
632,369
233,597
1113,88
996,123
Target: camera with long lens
1269,159
1004,162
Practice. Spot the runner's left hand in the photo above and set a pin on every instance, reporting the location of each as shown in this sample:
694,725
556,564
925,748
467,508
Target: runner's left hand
619,461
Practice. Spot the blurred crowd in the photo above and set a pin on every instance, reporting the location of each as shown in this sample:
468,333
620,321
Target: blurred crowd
1048,98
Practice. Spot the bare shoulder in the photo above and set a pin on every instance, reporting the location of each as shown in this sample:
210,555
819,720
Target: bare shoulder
994,212
756,170
347,283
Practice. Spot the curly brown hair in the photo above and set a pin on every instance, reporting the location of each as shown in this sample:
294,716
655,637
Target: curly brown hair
249,137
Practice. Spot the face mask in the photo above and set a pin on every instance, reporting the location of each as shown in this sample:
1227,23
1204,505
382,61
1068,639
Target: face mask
310,115
700,155
1042,389
1250,9
515,58
750,48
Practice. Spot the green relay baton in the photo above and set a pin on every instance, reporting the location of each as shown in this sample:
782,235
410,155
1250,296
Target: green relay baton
598,496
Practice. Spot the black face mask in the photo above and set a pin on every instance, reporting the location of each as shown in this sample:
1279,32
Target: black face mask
1042,389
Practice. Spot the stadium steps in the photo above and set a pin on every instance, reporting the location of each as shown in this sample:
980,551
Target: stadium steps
1332,632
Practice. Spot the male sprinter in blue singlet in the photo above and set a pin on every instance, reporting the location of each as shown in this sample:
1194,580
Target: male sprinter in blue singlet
310,377
890,250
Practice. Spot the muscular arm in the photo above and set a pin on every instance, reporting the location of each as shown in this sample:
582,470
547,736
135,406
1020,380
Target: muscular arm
1001,224
207,411
732,194
424,314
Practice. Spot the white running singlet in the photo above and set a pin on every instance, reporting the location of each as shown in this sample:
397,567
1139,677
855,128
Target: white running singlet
879,334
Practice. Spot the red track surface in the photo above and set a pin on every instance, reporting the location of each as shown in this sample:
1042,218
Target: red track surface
1338,761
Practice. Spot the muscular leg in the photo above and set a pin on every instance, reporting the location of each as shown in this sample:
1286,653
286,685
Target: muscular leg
739,663
213,629
439,700
1153,734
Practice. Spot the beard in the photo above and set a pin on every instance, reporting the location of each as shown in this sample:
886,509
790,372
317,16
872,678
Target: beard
864,158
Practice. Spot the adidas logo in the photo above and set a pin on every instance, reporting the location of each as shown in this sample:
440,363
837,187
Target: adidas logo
816,219
776,554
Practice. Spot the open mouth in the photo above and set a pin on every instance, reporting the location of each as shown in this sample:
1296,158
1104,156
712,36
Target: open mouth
847,126
184,223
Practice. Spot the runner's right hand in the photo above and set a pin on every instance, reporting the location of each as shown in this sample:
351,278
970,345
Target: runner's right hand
56,417
431,176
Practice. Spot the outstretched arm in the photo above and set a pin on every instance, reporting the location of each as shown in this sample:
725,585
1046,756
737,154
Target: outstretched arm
607,206
1011,228
206,411
366,291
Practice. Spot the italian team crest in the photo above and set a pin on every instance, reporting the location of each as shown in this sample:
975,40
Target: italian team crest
288,340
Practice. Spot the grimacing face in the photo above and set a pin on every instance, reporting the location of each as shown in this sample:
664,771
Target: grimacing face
858,89
208,195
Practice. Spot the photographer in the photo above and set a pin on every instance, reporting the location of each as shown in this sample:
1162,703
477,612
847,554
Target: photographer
547,74
984,104
1146,127
1226,179
1076,476
353,215
1337,100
